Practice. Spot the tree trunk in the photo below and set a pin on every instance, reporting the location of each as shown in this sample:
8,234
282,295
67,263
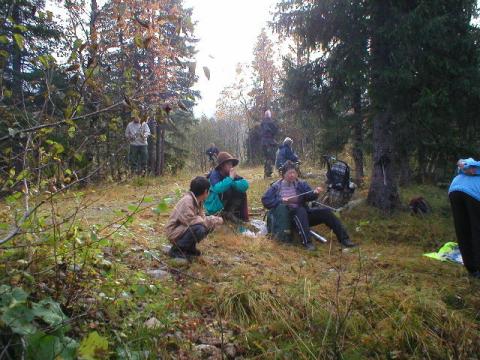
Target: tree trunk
358,136
162,151
151,146
158,151
404,169
17,57
383,192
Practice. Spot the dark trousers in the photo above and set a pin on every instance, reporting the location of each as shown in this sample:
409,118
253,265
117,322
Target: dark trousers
235,202
269,155
466,217
187,243
304,218
138,157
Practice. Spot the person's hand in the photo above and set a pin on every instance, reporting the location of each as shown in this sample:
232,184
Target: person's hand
285,200
318,190
218,220
233,173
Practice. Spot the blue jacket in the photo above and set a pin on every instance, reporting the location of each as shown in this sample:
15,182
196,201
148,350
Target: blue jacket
285,153
218,185
469,184
212,151
272,196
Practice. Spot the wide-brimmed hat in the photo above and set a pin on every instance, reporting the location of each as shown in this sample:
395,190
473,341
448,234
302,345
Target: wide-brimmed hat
223,157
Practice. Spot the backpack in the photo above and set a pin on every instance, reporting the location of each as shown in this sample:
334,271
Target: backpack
419,206
338,175
279,223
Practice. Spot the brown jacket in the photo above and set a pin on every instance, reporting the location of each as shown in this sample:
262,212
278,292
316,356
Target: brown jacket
186,213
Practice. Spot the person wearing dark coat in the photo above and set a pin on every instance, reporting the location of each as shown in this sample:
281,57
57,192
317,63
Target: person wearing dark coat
268,131
296,194
212,152
285,153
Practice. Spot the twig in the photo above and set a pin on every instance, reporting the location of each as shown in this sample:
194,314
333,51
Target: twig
15,231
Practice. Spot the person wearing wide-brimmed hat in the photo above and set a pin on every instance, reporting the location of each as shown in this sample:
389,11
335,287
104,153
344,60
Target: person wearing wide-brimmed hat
228,190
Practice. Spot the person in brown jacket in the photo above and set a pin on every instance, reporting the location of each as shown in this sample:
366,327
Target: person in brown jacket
188,224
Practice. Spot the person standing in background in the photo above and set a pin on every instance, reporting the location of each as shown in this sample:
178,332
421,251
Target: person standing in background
137,134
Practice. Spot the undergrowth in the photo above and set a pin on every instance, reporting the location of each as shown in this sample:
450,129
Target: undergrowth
87,291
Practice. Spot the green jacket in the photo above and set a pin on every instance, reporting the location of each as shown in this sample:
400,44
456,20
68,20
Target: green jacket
218,185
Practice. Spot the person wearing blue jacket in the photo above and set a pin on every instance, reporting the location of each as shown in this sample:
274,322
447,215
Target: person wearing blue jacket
296,194
285,153
227,190
464,195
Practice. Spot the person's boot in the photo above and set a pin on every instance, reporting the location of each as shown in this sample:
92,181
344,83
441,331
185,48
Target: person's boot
175,252
195,252
475,274
229,216
347,243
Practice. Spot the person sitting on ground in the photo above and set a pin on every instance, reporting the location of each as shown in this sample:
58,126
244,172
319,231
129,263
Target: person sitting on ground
227,191
285,153
188,224
464,195
212,152
296,194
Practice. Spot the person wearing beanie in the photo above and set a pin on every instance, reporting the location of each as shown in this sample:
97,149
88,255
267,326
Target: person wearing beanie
464,195
285,153
212,152
188,224
227,191
295,193
268,131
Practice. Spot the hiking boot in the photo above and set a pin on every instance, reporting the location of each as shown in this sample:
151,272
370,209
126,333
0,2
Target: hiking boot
309,246
229,216
475,274
347,243
195,252
175,252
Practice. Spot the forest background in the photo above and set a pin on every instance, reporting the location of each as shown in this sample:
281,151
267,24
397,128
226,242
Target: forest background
390,86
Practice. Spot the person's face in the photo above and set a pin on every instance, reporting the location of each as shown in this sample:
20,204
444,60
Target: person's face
226,167
136,120
203,196
291,175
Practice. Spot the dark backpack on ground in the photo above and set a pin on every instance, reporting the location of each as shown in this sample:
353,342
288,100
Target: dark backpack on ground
338,175
419,206
279,223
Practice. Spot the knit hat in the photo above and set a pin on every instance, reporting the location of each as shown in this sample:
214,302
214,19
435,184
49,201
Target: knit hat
223,157
287,141
288,165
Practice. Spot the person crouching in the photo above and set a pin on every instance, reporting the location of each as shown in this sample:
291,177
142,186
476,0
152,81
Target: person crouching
188,224
295,194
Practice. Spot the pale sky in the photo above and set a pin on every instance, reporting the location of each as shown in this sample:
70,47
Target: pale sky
227,30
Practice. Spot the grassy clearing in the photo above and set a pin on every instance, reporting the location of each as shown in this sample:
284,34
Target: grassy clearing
382,300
